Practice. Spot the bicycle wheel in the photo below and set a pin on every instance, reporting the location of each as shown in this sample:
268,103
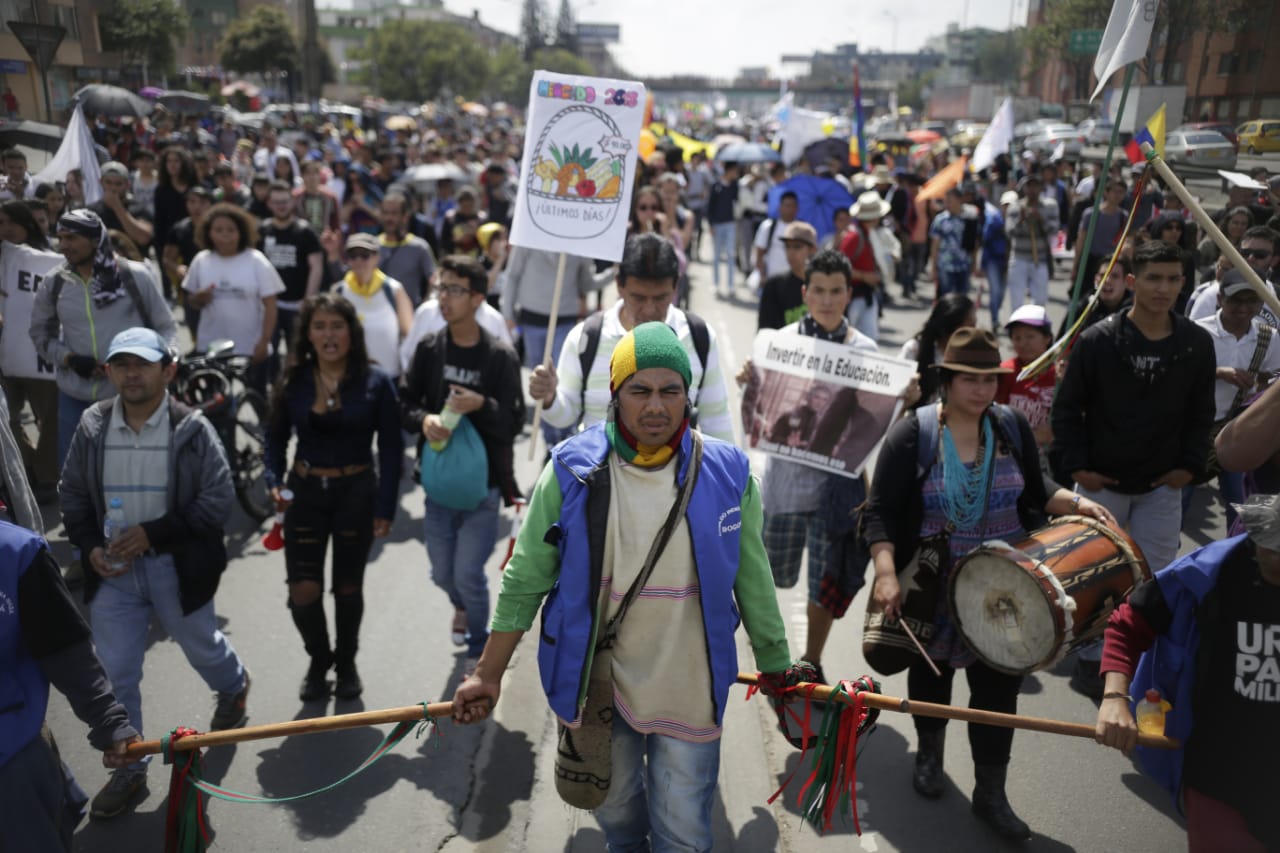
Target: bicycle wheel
248,465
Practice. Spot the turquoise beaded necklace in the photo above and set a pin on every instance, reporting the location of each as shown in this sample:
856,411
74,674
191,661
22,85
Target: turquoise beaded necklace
964,488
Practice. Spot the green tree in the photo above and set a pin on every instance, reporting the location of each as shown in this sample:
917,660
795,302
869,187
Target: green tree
509,75
422,60
999,58
533,28
262,41
144,32
912,91
566,28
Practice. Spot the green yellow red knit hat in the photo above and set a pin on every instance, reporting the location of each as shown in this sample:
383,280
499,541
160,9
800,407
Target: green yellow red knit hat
648,345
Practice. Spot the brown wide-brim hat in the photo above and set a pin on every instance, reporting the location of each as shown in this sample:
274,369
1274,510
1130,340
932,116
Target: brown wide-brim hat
972,350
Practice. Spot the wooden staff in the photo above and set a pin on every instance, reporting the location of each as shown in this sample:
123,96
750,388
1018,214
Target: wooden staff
547,350
296,727
970,715
1206,222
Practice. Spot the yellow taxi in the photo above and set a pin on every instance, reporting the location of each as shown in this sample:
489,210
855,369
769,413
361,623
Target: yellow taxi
1259,136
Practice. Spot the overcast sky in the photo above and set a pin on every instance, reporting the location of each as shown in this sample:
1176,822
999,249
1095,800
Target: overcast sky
662,37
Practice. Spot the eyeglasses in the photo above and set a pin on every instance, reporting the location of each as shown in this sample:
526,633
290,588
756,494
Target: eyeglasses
1256,253
453,291
359,255
644,207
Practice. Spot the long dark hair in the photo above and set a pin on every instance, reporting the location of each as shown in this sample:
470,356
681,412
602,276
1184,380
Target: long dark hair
245,224
188,171
302,355
20,214
947,315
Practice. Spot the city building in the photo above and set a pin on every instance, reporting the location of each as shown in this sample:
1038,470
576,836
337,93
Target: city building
79,59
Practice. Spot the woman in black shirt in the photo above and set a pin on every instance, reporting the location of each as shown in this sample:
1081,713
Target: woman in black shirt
335,402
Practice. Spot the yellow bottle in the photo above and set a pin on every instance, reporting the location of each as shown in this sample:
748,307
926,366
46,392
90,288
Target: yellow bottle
1150,713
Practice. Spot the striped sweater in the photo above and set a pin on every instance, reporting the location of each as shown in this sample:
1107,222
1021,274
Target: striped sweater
709,395
1024,233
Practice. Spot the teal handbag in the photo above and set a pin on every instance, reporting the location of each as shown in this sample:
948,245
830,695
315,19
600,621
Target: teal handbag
458,475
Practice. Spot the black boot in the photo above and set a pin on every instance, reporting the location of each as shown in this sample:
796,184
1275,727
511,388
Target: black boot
928,778
348,610
991,804
315,637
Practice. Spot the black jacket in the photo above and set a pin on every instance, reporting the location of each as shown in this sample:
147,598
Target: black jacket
1107,419
498,421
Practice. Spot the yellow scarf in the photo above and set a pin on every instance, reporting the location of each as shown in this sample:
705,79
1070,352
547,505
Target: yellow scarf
365,290
384,240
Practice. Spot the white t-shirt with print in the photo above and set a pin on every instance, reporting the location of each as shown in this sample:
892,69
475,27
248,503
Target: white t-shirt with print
240,284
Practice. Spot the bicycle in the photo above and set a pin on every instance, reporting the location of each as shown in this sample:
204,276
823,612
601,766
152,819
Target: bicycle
213,382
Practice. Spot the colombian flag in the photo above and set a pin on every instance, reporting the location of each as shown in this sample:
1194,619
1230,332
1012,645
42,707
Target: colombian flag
1152,134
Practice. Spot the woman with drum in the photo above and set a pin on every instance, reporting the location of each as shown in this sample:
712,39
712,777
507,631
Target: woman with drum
982,482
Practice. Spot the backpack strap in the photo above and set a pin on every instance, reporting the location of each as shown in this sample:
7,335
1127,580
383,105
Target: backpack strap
701,343
1008,423
927,442
587,349
130,287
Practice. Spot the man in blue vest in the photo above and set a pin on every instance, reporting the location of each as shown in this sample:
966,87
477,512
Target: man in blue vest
44,640
637,647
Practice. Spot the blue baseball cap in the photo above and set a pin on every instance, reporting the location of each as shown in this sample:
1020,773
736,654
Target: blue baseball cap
145,343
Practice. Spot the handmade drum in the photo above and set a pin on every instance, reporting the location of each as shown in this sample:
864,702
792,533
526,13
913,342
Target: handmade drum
1021,606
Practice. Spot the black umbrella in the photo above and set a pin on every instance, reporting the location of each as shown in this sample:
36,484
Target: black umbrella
184,102
101,99
818,153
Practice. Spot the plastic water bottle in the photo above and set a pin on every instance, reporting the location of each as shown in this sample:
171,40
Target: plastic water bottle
112,526
1150,713
450,418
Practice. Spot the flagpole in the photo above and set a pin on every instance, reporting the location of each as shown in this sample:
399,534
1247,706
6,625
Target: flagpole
1098,193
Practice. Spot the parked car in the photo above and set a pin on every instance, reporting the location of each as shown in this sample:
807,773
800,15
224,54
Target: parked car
1259,136
1206,148
1096,131
967,135
1217,127
1046,140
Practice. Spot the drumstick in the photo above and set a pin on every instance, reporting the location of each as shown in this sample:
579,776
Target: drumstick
970,715
933,666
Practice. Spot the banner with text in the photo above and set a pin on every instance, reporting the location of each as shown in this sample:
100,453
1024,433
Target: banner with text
579,166
22,269
821,404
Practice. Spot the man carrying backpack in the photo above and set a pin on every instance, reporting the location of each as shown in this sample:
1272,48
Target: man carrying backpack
577,388
81,306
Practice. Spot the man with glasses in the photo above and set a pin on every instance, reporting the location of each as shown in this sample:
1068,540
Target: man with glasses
1260,247
474,375
294,250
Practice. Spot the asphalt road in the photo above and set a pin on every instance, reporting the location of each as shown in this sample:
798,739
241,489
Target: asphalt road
488,788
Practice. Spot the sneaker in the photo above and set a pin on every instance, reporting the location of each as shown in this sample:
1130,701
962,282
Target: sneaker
469,668
124,785
230,711
458,631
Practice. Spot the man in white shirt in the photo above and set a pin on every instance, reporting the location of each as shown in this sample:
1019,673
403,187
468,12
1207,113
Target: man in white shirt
646,287
1247,351
1260,247
770,254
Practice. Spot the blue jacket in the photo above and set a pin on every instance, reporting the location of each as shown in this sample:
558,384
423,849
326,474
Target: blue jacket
567,642
1170,664
24,691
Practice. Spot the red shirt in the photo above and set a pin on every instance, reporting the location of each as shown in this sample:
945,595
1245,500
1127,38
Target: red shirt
1033,398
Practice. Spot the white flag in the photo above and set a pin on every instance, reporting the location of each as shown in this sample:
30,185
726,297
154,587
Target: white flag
996,140
1125,39
75,152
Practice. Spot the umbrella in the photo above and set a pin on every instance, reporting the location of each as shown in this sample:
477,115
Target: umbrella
184,102
819,152
426,173
243,87
726,139
817,198
922,135
400,123
748,152
473,109
107,100
150,92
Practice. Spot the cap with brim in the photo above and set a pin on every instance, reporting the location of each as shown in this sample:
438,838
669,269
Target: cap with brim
1009,197
145,343
1030,315
1028,180
870,207
114,167
1234,282
363,241
972,350
801,232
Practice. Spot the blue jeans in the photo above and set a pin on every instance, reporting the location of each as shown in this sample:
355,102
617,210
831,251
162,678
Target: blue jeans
998,280
865,316
69,411
662,787
121,614
723,248
458,544
535,344
953,282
